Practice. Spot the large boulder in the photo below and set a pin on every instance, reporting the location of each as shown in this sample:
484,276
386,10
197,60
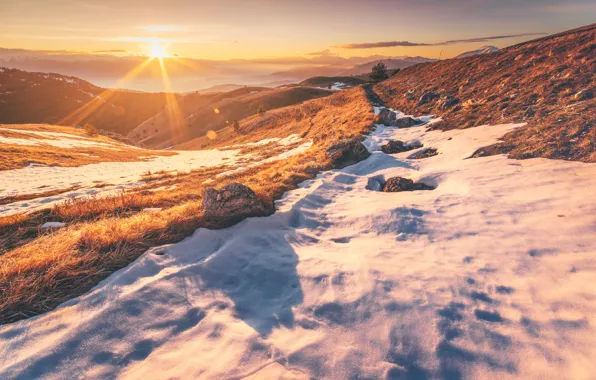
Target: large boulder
231,204
396,146
386,116
346,153
397,184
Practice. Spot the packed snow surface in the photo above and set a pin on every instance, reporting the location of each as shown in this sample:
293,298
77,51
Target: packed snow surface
487,277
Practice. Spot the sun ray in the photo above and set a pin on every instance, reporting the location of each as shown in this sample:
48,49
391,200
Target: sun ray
176,122
83,112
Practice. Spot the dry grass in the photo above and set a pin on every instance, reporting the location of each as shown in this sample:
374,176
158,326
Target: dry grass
14,156
49,269
539,82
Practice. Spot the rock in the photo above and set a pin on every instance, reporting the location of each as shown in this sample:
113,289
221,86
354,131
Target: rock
447,103
397,184
426,153
386,116
231,204
374,185
584,95
347,153
405,122
427,97
396,146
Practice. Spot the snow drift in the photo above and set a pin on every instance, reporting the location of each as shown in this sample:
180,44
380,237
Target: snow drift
485,277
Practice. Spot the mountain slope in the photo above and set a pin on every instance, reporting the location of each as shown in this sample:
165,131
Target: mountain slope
197,114
548,83
393,63
27,97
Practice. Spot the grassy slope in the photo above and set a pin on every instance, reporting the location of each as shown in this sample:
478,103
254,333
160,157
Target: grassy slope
27,97
536,82
18,156
42,270
198,112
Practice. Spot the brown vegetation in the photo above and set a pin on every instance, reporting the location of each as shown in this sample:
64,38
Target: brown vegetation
196,114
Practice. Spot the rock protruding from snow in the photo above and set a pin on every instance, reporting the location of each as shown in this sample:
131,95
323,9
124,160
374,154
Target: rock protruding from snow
347,153
426,153
397,184
397,146
232,204
386,116
391,118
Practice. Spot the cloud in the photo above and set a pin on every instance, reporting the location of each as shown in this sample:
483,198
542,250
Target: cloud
372,45
491,38
323,53
385,44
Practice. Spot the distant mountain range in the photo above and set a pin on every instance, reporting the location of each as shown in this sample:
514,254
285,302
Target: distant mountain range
188,74
483,50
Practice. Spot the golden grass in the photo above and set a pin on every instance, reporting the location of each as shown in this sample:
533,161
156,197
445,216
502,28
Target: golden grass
49,269
14,156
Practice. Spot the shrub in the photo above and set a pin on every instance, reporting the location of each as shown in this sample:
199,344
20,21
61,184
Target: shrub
90,129
379,72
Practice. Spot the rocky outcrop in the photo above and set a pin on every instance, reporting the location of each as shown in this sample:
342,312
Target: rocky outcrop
389,118
231,204
447,102
386,116
346,153
427,97
406,122
397,184
396,146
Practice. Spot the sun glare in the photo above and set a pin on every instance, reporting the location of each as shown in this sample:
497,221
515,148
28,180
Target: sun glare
158,51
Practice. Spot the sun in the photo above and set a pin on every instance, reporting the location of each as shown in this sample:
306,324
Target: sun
157,50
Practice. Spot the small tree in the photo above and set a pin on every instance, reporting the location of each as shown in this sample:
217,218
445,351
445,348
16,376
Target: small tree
90,129
261,111
379,72
236,127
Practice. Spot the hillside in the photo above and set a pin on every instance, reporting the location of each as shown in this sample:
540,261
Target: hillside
196,114
331,82
547,83
27,97
392,63
38,145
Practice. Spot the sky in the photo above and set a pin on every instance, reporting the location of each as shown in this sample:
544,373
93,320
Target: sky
243,29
